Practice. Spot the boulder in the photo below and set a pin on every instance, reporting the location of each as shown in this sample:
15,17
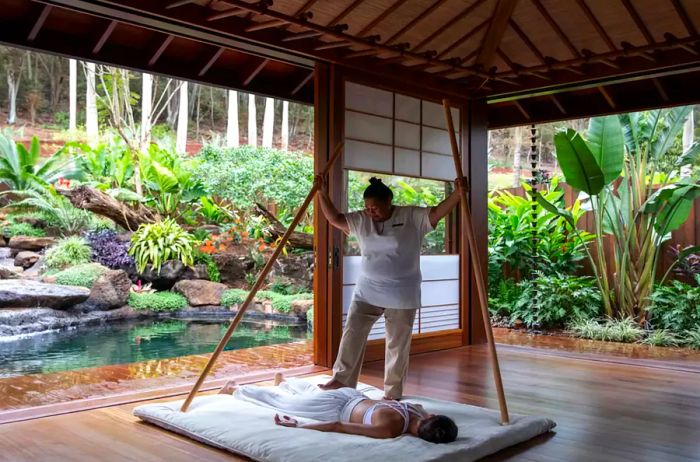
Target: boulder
34,270
198,271
297,269
199,292
170,272
110,291
23,293
7,273
31,243
26,258
233,268
301,307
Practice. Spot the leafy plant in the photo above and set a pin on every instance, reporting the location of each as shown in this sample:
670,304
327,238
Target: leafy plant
549,301
284,288
675,307
108,250
687,261
56,209
691,339
154,244
503,297
22,169
81,275
22,229
206,259
232,297
69,251
157,301
107,166
623,330
633,148
661,337
215,212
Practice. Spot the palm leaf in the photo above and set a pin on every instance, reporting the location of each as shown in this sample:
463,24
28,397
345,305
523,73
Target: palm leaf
578,163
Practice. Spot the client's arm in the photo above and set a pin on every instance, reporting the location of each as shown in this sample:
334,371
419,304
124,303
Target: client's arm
384,430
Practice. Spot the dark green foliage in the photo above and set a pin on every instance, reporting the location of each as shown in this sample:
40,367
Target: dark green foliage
22,229
81,275
233,297
284,288
157,301
67,252
206,259
675,307
503,296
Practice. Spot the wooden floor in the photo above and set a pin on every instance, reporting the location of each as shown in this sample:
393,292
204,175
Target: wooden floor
605,411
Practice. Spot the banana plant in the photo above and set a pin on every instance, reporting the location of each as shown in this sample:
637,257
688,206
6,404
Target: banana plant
624,172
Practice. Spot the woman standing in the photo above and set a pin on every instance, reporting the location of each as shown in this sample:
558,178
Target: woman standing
390,239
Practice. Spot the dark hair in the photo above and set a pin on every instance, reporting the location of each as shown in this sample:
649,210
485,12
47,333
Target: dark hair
378,190
438,429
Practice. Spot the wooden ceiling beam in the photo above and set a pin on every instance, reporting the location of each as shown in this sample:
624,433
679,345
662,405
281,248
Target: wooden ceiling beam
332,45
255,72
687,22
178,4
266,25
211,61
302,36
160,50
494,34
638,21
227,14
360,53
104,37
446,27
39,23
396,5
522,110
523,36
594,21
302,83
344,13
608,98
463,39
557,29
660,89
558,104
426,12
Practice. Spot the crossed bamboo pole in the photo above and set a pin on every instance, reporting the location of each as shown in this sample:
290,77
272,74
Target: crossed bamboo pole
476,267
261,278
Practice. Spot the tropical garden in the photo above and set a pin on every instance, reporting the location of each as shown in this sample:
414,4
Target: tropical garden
588,253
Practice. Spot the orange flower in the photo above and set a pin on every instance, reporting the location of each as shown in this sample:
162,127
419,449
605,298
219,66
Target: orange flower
222,247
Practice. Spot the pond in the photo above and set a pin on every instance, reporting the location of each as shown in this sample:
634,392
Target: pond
135,341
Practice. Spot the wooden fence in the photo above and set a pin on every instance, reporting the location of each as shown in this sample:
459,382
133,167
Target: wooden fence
688,234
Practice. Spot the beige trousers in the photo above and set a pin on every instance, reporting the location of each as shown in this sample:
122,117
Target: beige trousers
398,326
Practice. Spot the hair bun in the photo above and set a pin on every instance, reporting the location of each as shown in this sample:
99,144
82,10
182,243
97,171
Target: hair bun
374,180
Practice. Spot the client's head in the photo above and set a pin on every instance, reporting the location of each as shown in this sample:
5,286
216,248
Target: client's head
437,429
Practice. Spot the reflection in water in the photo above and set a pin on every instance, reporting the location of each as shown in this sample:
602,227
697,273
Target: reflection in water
130,342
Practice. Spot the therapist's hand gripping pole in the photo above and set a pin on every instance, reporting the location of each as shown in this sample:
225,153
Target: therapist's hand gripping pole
476,267
261,278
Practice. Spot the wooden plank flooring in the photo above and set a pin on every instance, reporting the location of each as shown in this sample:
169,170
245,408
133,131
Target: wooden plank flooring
604,411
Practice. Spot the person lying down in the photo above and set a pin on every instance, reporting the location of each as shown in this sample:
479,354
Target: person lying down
344,410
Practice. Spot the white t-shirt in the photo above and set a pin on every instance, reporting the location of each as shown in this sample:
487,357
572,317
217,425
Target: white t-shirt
390,270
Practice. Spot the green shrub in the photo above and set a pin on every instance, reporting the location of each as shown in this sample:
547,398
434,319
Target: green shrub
550,301
282,303
660,337
504,295
675,307
82,275
154,244
206,259
611,330
22,229
692,338
285,288
157,301
232,297
69,251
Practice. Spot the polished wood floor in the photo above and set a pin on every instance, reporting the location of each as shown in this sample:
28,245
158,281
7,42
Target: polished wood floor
605,411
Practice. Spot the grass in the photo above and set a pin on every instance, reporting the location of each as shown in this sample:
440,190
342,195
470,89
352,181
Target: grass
609,330
81,275
157,301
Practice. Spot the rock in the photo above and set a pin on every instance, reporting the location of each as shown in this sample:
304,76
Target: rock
301,307
7,273
31,243
35,269
23,293
297,269
50,279
110,291
26,258
199,292
196,272
233,268
170,272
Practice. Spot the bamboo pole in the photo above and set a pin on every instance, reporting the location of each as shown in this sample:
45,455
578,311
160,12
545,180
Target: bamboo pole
261,278
477,268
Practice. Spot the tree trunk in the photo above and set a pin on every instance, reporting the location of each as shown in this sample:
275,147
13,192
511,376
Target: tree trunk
688,138
517,144
285,125
72,94
12,88
146,110
268,122
252,122
91,103
181,140
277,229
232,140
101,203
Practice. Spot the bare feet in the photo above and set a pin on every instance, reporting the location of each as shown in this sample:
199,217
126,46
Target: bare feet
332,384
229,388
279,378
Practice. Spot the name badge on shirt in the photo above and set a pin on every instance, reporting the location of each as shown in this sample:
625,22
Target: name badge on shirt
396,225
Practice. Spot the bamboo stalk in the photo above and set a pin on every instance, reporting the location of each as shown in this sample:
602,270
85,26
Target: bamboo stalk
477,268
261,278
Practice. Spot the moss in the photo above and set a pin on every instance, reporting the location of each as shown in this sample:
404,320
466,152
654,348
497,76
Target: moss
157,301
233,297
81,275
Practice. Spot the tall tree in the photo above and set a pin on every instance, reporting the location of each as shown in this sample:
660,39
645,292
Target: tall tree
688,138
232,120
72,94
517,158
285,125
14,61
252,121
181,138
91,127
268,122
146,107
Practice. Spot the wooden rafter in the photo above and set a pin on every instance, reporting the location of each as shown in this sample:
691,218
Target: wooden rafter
397,4
265,25
104,37
558,104
690,27
178,4
463,39
660,89
497,27
593,20
557,29
638,21
302,83
424,14
526,40
160,50
446,27
227,14
611,102
211,61
345,12
298,13
302,36
522,110
255,72
39,22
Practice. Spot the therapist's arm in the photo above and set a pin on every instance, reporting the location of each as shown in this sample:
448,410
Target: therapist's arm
332,214
438,212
